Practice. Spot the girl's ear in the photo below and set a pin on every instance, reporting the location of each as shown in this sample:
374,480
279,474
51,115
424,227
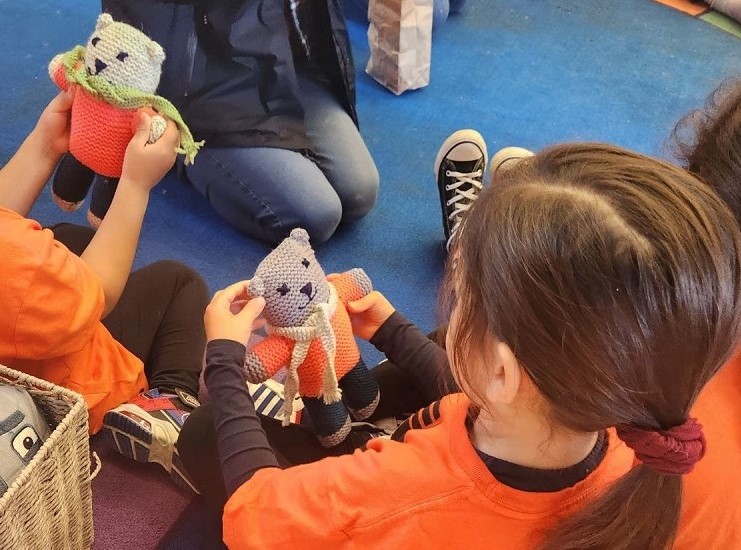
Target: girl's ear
506,375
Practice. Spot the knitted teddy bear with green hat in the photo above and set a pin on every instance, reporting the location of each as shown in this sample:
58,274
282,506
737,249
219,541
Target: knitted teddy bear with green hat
309,333
116,74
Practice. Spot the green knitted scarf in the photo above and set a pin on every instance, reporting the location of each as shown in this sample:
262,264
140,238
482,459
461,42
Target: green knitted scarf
126,98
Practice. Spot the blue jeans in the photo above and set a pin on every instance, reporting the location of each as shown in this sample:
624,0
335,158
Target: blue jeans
265,192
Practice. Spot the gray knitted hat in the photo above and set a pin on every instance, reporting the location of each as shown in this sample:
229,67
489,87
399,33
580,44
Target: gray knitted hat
291,281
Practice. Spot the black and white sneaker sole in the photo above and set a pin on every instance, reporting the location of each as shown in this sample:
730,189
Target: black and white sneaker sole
133,441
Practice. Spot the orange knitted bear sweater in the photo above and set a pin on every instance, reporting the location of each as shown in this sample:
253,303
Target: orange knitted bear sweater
100,132
275,351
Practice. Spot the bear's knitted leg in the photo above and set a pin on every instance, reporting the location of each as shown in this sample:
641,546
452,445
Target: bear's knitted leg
360,391
71,183
102,197
331,422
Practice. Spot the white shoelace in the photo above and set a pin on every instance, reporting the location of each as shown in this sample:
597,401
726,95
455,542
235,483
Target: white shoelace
463,198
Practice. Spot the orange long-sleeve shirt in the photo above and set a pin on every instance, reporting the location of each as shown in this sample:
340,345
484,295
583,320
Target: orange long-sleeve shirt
50,326
431,489
711,496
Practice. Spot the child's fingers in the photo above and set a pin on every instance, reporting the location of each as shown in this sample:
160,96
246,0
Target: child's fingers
63,101
232,298
141,131
233,292
171,135
243,291
252,310
223,299
237,305
219,301
364,304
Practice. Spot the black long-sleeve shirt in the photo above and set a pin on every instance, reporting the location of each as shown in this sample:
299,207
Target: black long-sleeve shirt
243,446
412,351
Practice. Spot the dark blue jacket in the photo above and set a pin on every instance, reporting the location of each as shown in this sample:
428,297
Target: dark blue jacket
230,68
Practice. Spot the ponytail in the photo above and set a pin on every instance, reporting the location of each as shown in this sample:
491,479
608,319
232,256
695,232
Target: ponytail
642,509
638,512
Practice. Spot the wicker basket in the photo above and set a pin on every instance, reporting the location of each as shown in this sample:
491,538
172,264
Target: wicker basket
49,505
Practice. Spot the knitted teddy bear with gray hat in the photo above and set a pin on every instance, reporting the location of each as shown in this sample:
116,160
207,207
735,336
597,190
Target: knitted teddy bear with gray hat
115,75
309,332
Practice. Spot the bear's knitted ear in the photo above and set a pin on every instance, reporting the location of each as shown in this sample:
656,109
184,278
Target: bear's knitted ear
155,51
257,287
104,19
300,235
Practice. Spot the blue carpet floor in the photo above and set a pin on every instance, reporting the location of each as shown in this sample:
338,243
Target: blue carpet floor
525,72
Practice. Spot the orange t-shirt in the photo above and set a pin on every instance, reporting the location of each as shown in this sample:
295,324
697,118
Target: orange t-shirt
50,324
432,489
711,496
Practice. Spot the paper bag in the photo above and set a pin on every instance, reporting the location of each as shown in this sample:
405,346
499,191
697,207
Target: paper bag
400,39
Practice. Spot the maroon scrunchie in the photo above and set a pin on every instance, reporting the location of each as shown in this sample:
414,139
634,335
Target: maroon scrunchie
673,451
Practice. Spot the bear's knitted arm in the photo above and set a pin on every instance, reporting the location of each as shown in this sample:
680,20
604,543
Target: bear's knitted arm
352,285
267,358
56,72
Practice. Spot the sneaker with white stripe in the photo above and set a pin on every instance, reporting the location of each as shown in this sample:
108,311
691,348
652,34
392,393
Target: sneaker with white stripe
147,428
268,399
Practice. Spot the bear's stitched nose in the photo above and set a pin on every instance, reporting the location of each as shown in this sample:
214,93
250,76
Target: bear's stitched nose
306,289
99,66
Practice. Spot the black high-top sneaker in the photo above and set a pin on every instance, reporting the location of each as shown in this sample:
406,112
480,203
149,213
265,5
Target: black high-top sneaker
459,167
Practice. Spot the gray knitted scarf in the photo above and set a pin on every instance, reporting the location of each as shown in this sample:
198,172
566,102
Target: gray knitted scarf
317,326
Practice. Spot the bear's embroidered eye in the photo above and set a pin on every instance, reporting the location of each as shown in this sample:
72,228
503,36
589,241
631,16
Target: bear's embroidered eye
94,40
283,289
306,263
122,55
25,443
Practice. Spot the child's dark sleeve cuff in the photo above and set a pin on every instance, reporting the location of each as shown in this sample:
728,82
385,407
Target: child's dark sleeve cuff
224,353
412,351
242,444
